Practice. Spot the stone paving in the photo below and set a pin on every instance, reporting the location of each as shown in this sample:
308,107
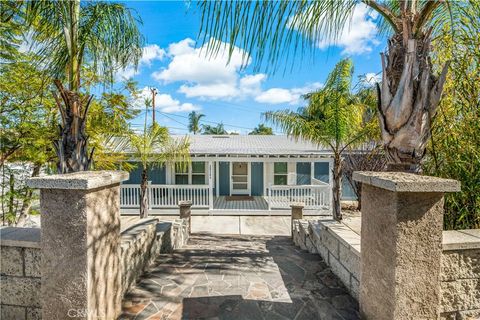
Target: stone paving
239,277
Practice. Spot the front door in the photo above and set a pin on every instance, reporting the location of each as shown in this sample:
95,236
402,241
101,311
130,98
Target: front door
240,178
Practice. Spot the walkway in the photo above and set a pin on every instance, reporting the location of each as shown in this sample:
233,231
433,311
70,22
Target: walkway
239,277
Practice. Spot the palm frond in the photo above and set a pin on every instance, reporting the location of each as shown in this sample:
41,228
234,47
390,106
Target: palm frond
272,30
104,35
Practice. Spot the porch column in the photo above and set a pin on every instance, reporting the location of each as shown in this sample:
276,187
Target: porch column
210,185
401,239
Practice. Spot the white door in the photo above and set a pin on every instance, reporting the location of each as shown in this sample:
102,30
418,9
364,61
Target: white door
240,181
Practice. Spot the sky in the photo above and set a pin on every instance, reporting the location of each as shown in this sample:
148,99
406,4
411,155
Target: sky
187,80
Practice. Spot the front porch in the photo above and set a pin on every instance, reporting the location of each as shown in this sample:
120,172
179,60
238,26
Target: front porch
163,199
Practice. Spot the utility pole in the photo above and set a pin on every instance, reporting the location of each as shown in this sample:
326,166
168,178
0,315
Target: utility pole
154,93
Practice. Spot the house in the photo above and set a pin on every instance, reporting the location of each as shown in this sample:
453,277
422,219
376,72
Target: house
231,173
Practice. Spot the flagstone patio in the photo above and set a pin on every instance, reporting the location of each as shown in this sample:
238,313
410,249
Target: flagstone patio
239,277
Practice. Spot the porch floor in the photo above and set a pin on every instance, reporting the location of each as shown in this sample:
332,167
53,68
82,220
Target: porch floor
258,203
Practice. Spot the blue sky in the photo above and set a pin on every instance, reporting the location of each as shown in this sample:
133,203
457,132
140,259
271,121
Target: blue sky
186,80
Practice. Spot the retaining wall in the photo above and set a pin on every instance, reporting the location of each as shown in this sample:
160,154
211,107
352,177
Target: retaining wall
21,261
20,277
339,247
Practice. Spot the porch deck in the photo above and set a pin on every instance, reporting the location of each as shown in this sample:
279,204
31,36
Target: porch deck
257,203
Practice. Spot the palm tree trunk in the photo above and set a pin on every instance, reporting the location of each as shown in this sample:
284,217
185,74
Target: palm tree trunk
144,195
337,183
27,202
408,98
71,148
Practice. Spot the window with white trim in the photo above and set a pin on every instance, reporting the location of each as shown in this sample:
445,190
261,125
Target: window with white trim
280,173
198,172
181,174
193,174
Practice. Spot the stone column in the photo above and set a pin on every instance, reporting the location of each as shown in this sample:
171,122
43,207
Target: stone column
80,218
297,212
401,244
186,213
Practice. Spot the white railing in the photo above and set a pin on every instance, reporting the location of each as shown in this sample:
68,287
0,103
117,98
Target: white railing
130,195
313,196
165,196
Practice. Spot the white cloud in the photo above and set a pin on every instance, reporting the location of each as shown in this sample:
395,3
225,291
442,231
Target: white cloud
359,34
208,77
163,102
215,78
150,53
289,96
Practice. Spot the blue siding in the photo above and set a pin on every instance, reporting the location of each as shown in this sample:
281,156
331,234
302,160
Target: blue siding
321,171
224,178
257,179
157,175
304,173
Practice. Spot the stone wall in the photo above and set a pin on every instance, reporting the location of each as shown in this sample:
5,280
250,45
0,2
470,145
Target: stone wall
142,242
20,256
339,246
460,284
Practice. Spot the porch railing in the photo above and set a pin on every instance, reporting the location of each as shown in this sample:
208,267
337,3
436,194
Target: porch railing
165,196
313,196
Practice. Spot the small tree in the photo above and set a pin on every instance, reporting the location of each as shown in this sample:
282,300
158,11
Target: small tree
154,147
194,122
333,118
262,130
218,130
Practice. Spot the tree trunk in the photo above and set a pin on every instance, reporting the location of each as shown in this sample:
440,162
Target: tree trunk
144,195
408,98
71,148
337,185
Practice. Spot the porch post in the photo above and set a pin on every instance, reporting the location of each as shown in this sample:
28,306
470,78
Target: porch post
217,179
269,197
210,185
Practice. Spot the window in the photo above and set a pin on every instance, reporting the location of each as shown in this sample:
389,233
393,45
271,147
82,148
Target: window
181,174
195,174
198,172
280,173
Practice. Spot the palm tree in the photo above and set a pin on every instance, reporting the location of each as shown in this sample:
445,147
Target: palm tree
71,35
154,147
409,94
332,118
218,130
262,129
194,122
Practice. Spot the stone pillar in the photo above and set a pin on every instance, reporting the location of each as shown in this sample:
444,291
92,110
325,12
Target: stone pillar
186,213
297,212
401,244
80,218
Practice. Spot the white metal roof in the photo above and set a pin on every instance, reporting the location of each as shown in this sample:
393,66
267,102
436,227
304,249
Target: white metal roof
255,145
239,145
